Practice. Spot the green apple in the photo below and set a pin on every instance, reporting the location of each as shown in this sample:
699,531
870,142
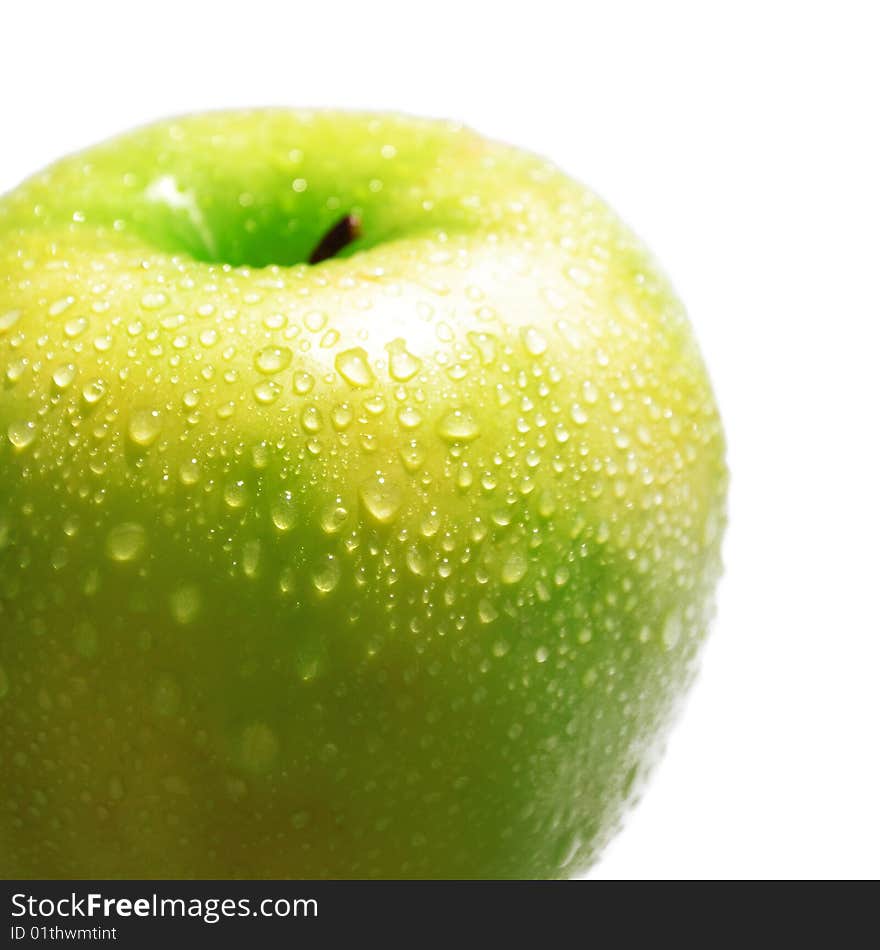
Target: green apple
361,496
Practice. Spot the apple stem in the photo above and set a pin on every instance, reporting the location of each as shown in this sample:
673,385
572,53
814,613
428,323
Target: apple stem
346,230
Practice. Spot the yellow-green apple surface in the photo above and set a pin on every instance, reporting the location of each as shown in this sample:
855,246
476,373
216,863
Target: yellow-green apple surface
361,495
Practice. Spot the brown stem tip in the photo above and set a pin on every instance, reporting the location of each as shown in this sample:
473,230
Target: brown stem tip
342,233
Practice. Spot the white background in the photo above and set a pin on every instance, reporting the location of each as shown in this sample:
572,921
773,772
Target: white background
741,141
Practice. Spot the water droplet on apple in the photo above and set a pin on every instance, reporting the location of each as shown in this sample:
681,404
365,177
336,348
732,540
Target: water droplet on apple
375,405
342,417
534,341
59,559
190,472
354,367
15,370
273,359
402,365
578,276
311,419
93,392
235,494
457,372
381,497
412,455
315,321
671,633
460,425
486,612
303,383
76,327
444,332
308,665
514,568
578,414
21,434
283,513
334,518
409,417
287,581
92,583
8,320
186,602
327,576
126,542
417,559
430,523
485,345
64,375
59,306
144,427
250,561
153,300
542,654
571,851
267,392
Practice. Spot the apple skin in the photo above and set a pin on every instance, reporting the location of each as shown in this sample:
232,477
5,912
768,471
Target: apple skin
394,566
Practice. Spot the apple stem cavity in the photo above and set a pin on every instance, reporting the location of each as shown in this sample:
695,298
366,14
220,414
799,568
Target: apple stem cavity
346,230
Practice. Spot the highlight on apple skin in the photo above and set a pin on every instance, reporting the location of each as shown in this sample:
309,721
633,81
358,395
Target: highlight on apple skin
393,564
